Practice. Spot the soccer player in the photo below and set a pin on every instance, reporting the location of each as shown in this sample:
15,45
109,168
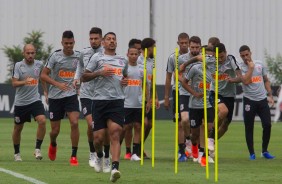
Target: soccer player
183,129
229,74
194,77
59,72
133,101
86,94
194,50
148,43
127,133
109,71
25,78
256,88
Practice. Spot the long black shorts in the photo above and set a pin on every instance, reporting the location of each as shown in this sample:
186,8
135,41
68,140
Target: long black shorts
103,110
23,113
196,116
86,105
133,115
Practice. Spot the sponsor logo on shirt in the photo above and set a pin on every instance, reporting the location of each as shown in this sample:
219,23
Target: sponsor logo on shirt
201,85
221,77
33,82
36,71
66,74
134,82
256,79
149,77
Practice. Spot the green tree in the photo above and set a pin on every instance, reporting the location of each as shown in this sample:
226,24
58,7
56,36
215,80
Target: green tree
14,53
274,67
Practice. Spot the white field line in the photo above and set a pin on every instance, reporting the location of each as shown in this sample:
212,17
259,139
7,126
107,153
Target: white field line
21,176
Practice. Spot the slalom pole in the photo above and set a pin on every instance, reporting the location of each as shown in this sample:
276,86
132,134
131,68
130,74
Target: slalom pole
205,112
176,113
216,117
154,107
143,104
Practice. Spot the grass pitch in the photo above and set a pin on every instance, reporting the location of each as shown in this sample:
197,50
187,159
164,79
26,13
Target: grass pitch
234,165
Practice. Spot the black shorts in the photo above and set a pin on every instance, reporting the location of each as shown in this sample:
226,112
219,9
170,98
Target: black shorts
196,116
102,110
59,107
228,101
23,113
184,103
133,115
173,106
86,105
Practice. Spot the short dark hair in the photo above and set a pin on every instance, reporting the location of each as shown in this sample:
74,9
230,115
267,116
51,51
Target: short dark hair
214,40
68,34
133,41
183,35
96,30
147,42
208,48
195,39
244,47
108,33
221,47
131,48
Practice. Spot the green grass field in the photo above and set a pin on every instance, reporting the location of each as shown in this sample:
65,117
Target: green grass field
234,165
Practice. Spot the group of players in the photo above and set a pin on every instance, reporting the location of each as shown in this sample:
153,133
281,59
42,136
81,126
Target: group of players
110,91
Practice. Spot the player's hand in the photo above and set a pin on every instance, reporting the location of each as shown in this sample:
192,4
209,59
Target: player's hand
199,95
271,101
28,80
108,71
250,64
199,57
76,83
166,103
63,86
124,81
157,104
182,68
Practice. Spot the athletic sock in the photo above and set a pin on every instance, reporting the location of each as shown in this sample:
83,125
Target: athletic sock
115,165
128,149
91,146
38,144
54,144
107,151
74,151
17,148
136,149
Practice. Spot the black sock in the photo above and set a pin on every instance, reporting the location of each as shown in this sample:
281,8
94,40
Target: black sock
38,144
54,144
181,148
107,151
188,137
100,154
115,165
91,146
74,151
212,133
128,149
136,149
17,148
201,149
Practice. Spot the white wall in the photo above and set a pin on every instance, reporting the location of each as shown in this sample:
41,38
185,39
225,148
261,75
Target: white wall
253,22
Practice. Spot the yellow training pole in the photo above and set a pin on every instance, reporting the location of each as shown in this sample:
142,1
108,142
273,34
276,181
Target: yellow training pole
216,117
153,108
205,112
143,104
176,113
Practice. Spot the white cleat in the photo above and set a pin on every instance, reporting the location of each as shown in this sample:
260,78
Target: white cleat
134,157
37,154
200,157
98,164
17,157
91,159
115,175
211,160
107,165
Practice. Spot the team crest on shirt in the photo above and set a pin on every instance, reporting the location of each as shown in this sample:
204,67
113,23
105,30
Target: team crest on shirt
17,119
259,68
36,71
74,63
247,107
121,62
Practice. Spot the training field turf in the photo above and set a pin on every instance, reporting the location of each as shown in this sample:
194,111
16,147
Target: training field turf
234,165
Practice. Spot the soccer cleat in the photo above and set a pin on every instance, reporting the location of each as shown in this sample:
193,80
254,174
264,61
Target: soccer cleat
134,157
52,152
203,161
115,175
37,154
267,155
195,151
73,161
188,150
107,165
127,156
182,158
212,153
211,160
91,159
252,157
17,157
200,157
98,164
211,144
145,156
